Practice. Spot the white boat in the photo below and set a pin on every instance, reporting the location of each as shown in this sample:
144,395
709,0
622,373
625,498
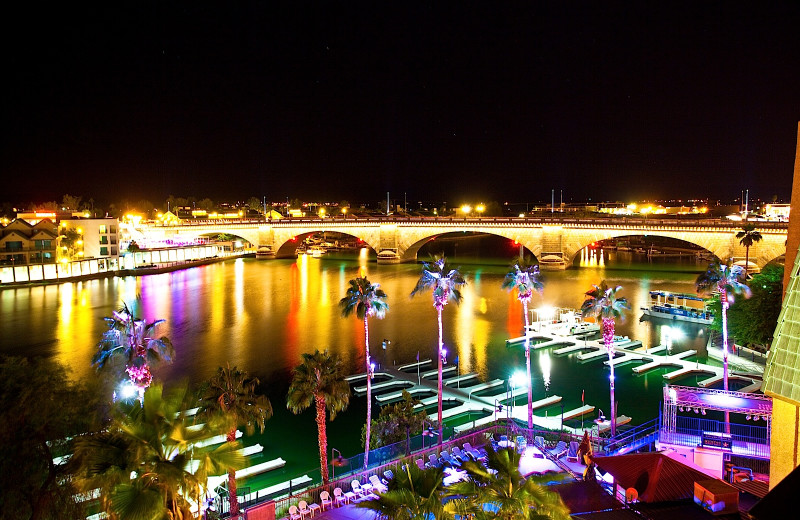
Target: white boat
315,251
678,307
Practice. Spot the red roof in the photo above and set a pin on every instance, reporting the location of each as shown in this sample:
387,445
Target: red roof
656,477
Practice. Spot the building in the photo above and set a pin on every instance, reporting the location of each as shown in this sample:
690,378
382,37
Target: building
90,238
782,375
22,243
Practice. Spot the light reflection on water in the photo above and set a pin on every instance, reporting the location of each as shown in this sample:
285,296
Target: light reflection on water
261,315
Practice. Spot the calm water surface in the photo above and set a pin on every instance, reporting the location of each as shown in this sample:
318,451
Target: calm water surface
261,315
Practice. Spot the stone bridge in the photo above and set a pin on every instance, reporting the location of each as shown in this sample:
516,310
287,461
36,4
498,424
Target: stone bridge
553,241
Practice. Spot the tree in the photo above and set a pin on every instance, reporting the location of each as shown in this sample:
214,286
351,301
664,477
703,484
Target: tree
68,202
753,320
149,463
413,494
397,422
319,378
254,204
444,283
42,412
69,239
128,339
497,490
601,302
365,299
747,237
524,277
726,280
230,396
133,247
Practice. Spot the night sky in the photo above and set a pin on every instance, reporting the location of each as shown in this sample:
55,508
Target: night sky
495,100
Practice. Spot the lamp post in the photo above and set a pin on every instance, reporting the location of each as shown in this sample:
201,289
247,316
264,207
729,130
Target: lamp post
335,461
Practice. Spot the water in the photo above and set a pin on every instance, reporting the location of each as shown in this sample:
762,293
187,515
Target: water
261,315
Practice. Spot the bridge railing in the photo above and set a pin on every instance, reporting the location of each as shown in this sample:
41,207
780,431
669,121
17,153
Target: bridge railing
679,221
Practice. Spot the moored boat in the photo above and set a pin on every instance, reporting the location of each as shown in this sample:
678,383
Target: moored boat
678,307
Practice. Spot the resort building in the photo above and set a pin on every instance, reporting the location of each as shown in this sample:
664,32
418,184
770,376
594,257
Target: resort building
22,243
90,238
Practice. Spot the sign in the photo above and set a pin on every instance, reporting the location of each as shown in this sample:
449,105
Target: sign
723,441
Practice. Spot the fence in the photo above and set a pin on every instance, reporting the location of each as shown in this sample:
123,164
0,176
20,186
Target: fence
747,439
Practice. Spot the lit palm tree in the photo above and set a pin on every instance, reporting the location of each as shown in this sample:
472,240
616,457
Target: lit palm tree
230,397
320,378
602,303
444,283
365,299
498,490
727,281
524,277
128,339
413,494
149,464
747,237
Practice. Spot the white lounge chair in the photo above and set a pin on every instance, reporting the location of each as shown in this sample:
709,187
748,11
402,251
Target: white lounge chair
325,499
572,453
377,485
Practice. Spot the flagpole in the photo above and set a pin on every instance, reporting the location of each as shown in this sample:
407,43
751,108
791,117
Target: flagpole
583,403
419,381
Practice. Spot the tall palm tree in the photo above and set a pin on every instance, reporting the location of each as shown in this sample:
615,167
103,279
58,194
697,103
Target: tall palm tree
747,237
230,397
602,303
150,463
727,281
444,282
524,277
498,490
129,340
365,299
320,378
413,494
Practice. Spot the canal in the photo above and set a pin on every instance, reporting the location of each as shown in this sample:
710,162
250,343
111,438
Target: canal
261,315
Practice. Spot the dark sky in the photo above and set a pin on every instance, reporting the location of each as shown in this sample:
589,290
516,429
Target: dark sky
493,100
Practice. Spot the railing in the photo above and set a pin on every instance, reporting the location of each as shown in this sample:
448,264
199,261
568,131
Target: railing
747,439
633,438
680,221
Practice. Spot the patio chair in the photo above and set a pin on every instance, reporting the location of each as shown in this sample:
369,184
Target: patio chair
522,443
420,463
459,455
560,450
293,514
340,498
388,475
450,460
377,485
434,461
477,453
303,507
538,441
572,452
325,499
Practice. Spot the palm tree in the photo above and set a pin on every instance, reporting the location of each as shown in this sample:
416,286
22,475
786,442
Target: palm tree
498,490
727,281
602,303
149,463
524,277
365,299
230,397
747,237
413,494
444,283
320,378
128,339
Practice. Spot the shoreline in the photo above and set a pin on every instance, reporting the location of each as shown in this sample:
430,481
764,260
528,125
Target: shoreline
140,271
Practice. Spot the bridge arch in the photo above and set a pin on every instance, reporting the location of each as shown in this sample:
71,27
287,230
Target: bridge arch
410,246
285,243
582,241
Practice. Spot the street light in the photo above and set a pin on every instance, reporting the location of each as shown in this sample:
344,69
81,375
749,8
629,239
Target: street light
336,461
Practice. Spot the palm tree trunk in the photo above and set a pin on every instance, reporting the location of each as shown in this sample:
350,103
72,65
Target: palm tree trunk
608,341
528,366
369,392
746,261
233,500
723,295
441,346
322,436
